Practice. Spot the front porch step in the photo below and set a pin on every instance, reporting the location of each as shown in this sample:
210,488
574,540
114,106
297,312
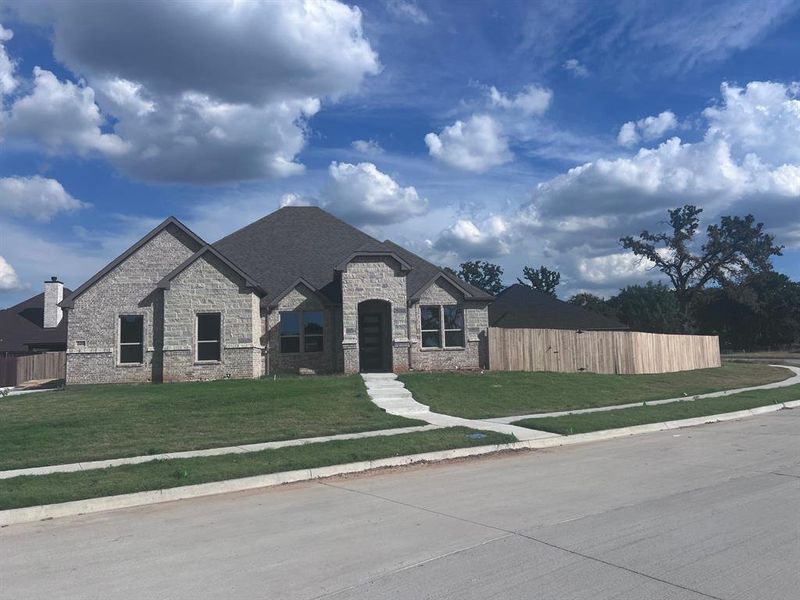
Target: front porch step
379,389
378,376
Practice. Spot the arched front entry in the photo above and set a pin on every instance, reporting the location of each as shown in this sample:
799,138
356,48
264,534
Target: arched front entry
375,336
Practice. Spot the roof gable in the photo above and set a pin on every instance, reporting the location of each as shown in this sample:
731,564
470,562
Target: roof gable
165,282
69,301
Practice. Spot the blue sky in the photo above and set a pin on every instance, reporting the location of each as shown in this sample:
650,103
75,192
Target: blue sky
522,133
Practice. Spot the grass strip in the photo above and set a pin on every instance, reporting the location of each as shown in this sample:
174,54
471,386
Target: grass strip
30,490
640,415
84,423
500,394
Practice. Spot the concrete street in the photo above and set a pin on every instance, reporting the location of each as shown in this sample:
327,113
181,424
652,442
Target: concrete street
706,512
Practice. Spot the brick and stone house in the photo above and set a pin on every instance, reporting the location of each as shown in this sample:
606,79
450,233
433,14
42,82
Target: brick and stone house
297,289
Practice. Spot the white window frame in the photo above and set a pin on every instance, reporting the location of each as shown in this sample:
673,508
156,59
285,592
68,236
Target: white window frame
197,341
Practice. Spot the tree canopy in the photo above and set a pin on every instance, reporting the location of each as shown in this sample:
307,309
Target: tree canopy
542,279
733,250
485,275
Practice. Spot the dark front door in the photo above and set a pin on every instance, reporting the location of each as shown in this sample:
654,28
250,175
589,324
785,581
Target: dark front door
371,350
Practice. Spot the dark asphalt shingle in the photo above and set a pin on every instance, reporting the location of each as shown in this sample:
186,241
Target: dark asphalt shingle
21,327
520,307
308,242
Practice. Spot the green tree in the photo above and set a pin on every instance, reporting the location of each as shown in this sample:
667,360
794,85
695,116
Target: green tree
594,303
734,249
485,275
761,312
652,308
542,279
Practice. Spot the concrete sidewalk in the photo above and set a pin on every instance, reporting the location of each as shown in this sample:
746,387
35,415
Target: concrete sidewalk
243,449
390,394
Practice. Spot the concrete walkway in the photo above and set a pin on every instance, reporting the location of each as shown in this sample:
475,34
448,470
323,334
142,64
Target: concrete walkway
391,395
793,380
133,460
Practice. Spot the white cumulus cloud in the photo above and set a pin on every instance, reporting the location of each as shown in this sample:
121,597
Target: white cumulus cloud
468,240
61,116
9,281
368,147
8,82
534,100
762,118
36,197
206,91
363,195
234,51
618,269
647,129
473,145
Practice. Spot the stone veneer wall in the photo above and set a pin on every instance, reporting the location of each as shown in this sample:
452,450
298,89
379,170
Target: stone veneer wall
374,278
327,361
126,290
476,324
208,285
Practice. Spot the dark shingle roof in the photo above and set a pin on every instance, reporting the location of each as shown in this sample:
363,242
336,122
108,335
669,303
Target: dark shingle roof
21,327
308,242
520,306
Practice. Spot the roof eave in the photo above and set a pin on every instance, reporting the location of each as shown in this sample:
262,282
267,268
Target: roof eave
404,266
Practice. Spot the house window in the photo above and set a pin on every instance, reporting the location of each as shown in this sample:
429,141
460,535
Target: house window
302,331
453,327
442,326
313,325
209,330
131,339
290,332
431,326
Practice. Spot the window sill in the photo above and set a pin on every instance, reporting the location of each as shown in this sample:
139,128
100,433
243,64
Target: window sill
447,349
130,365
207,363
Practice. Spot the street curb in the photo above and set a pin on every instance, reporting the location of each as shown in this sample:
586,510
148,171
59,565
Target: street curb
93,505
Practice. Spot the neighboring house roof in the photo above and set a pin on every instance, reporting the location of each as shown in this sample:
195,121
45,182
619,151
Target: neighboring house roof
21,327
69,301
520,306
248,280
308,242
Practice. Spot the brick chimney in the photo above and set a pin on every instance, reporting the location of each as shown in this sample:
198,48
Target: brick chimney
53,294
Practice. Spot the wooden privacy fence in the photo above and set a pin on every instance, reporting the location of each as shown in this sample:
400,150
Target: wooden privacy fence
620,352
16,370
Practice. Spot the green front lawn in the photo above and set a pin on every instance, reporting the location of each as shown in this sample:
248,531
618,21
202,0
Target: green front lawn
505,393
86,423
627,417
63,487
